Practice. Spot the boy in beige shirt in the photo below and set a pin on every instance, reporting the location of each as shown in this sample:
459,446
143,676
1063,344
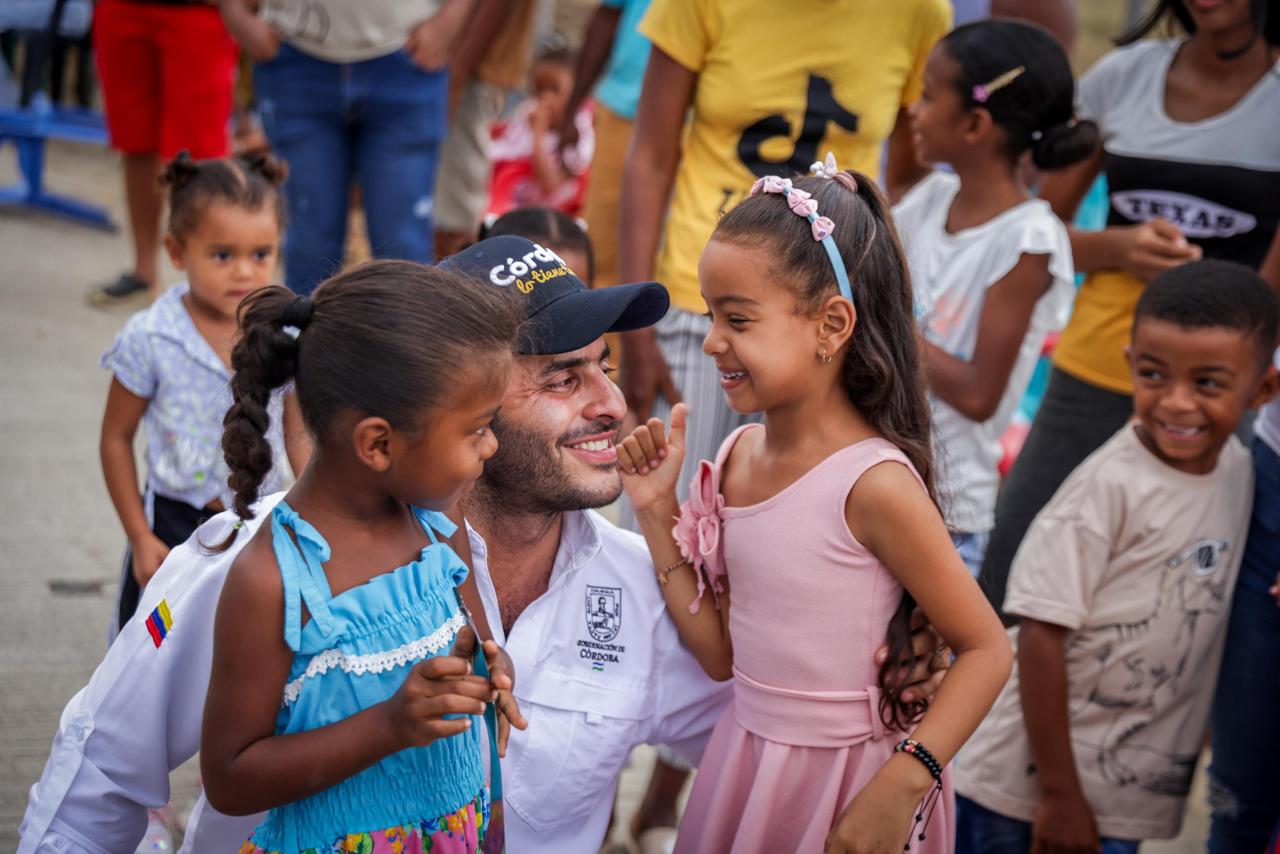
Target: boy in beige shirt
1123,584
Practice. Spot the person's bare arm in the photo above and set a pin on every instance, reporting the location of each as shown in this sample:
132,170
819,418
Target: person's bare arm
1142,250
974,387
646,186
258,39
1063,820
1056,16
1270,269
432,42
597,44
478,34
901,169
890,513
120,470
650,461
245,766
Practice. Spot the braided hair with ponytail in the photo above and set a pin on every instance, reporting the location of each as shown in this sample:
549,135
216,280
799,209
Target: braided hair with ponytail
382,339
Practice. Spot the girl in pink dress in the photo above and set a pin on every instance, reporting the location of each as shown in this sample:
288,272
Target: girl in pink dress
821,523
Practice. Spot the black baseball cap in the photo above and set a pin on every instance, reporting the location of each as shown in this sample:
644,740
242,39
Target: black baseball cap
561,313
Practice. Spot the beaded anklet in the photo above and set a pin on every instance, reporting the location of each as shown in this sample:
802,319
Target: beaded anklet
929,804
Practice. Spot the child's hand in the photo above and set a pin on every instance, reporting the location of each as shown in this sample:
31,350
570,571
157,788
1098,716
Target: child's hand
1275,589
148,553
650,459
502,677
878,819
439,686
1063,824
1150,248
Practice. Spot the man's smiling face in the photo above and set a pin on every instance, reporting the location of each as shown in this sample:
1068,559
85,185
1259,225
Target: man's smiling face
556,433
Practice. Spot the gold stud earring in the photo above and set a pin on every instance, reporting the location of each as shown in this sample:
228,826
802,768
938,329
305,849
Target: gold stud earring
826,357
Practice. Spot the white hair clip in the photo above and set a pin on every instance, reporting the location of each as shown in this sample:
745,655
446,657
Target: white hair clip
825,168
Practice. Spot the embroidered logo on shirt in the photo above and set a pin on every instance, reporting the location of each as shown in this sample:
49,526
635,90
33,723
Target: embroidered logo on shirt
604,612
159,623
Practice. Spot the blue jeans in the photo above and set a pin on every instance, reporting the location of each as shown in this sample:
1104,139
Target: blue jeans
981,831
1243,792
971,547
382,120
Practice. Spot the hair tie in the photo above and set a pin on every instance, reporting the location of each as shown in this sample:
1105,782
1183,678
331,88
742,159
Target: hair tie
802,204
296,316
983,91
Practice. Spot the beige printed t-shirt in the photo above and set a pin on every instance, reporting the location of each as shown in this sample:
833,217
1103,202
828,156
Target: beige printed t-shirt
1139,561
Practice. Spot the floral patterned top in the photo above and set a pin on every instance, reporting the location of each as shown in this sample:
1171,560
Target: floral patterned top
161,356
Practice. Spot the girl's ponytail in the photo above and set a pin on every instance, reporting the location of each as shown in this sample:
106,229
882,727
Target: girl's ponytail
264,359
1063,144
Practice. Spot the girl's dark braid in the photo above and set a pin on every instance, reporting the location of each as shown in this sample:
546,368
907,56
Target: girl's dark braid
265,358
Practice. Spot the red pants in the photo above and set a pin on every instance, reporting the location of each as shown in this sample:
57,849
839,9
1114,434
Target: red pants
167,73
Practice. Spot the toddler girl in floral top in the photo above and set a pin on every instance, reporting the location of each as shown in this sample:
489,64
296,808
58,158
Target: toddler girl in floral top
170,363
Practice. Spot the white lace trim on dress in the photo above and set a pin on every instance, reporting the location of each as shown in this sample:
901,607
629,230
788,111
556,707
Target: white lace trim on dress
375,662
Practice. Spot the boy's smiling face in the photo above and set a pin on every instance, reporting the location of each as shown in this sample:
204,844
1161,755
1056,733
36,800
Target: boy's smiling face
1191,387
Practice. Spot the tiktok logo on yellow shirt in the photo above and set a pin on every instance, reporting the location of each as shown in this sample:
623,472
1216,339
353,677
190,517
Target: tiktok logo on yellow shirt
821,109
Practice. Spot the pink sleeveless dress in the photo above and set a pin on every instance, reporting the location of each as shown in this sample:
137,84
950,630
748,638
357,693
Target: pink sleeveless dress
810,606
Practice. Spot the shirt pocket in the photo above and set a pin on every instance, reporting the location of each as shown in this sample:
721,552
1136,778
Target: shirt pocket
566,761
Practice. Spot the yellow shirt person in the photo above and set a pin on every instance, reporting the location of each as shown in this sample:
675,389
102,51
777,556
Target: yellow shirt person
779,85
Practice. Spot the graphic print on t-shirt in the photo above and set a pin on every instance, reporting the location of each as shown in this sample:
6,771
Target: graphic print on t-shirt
820,109
1152,676
1231,211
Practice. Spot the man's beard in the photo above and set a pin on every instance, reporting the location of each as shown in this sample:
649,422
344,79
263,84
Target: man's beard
528,473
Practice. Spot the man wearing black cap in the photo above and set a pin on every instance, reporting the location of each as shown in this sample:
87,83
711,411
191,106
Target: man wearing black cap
600,668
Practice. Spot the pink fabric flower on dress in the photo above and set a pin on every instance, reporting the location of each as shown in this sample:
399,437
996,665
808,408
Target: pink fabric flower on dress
697,532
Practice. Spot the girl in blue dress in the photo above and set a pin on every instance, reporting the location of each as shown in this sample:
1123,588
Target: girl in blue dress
334,702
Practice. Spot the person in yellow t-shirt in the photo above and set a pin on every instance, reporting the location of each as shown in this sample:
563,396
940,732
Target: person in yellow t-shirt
768,88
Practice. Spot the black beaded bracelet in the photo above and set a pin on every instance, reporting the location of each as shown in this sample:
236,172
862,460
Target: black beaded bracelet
919,751
930,802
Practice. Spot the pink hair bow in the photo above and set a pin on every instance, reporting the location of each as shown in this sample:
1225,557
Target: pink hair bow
697,532
822,228
801,204
771,184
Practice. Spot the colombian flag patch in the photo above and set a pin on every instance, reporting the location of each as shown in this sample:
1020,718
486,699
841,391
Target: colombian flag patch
160,622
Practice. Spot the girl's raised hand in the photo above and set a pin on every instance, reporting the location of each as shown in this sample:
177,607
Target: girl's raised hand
651,457
439,686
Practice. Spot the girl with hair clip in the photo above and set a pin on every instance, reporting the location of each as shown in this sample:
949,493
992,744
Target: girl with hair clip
992,265
332,702
1188,126
815,534
171,364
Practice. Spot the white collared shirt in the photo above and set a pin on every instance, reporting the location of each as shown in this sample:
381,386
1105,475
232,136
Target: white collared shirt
594,679
599,670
